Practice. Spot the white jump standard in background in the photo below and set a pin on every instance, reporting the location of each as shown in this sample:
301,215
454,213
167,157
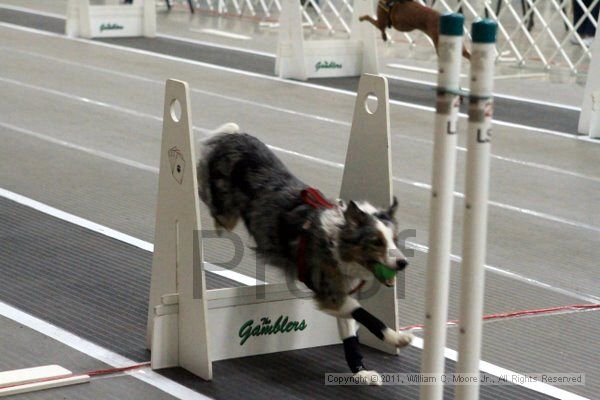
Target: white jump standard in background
111,19
190,326
442,201
589,119
302,59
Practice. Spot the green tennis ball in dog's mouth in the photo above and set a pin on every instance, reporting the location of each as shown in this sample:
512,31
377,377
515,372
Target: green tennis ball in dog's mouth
383,273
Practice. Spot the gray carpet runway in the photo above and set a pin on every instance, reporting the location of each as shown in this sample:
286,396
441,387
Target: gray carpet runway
97,287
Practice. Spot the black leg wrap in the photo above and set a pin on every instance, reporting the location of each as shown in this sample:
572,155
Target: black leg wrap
353,354
366,319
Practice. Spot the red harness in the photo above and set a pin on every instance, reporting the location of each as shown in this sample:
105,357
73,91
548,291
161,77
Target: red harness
316,200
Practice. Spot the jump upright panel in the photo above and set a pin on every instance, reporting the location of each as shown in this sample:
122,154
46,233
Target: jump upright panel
178,305
368,176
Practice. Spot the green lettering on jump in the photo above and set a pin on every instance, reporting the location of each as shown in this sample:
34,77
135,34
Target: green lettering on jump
110,27
265,327
327,65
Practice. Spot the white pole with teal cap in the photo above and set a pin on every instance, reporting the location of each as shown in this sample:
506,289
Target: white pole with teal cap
442,201
476,200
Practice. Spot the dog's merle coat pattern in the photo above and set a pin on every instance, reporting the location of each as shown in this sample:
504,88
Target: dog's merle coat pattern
240,178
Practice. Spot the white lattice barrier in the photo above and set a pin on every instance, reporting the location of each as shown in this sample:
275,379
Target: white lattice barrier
531,33
111,19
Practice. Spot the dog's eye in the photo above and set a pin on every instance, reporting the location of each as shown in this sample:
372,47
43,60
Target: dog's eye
377,242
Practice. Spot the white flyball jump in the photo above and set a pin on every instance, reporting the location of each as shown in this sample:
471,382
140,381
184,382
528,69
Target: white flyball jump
298,58
589,119
190,326
111,19
475,203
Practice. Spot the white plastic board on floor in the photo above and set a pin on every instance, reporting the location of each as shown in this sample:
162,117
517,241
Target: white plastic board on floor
28,380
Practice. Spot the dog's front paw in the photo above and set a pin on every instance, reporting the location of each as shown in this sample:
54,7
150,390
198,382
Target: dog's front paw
365,377
397,339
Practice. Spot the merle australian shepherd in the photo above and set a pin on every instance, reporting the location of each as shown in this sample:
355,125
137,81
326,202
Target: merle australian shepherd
337,244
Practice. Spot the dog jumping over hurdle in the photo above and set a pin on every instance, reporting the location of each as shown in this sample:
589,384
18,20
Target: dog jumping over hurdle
406,16
333,247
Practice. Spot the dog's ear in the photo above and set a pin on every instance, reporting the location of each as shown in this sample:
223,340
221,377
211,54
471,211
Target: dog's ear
392,210
354,214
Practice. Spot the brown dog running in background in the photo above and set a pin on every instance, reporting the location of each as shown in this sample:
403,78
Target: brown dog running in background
406,16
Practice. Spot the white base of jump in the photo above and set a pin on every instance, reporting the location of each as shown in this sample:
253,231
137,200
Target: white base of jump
111,20
302,59
190,326
29,380
241,324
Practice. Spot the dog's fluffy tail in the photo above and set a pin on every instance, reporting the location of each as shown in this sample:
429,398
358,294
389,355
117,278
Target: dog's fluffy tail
230,127
227,128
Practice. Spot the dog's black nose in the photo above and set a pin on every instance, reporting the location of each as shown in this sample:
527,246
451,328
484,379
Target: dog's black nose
401,264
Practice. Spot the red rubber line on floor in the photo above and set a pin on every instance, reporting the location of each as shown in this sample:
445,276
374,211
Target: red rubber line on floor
90,373
516,314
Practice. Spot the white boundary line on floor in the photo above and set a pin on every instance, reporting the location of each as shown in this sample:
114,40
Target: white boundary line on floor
431,71
287,81
211,44
163,35
395,77
113,358
291,112
235,276
218,32
106,231
99,353
32,11
417,184
496,370
496,95
413,68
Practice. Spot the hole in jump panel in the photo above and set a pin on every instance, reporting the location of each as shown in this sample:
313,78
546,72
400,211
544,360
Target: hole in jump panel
371,103
175,110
